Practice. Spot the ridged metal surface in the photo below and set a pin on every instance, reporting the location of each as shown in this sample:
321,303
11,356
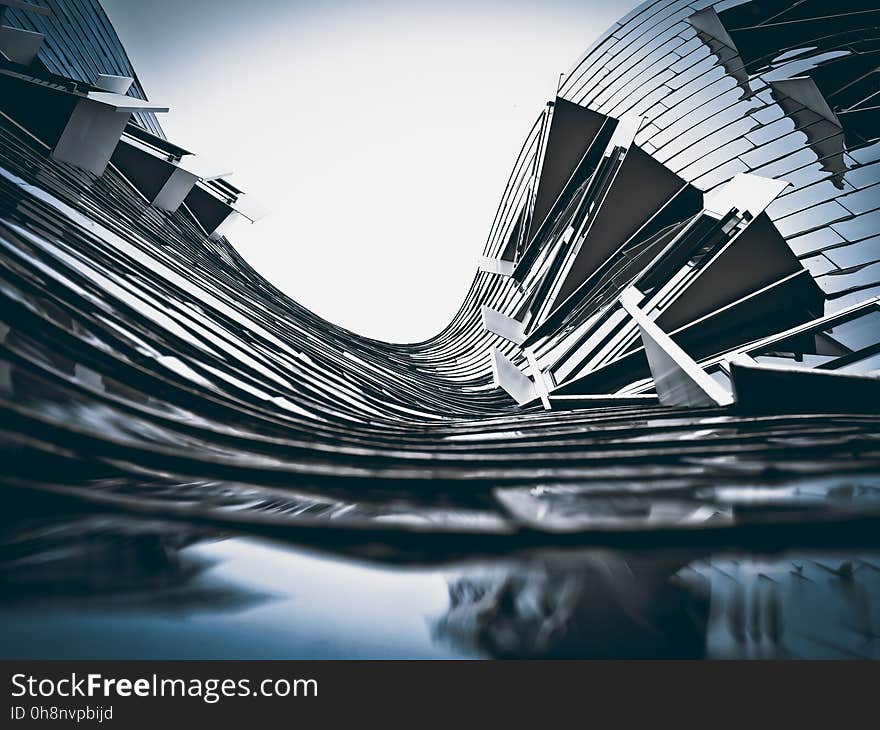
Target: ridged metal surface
706,127
157,392
80,43
149,368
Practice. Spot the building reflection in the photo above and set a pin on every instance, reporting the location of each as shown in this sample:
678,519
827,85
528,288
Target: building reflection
667,605
70,570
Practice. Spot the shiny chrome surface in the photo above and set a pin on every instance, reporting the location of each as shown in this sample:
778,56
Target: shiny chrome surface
158,393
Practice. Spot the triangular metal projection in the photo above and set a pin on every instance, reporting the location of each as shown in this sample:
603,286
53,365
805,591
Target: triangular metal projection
710,29
572,130
802,100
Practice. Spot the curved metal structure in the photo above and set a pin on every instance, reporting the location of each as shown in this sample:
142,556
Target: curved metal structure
697,205
79,43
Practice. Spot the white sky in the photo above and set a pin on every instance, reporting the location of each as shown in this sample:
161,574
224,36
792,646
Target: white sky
379,135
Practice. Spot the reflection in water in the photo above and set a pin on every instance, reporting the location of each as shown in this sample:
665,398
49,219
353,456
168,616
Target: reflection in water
802,606
594,604
605,605
146,367
117,587
113,586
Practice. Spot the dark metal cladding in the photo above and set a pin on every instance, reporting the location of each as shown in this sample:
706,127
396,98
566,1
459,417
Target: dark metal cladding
145,367
79,43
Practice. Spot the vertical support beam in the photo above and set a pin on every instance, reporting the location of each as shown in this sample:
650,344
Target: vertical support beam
540,378
679,380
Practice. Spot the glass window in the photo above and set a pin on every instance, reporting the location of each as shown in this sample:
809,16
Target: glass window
858,333
848,345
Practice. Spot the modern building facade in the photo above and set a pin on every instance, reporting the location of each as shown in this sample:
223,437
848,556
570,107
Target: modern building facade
78,43
673,333
762,107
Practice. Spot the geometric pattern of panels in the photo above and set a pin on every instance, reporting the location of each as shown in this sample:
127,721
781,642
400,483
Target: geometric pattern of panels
701,104
690,227
79,43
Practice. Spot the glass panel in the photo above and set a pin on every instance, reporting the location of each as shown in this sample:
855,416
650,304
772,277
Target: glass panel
795,359
822,348
858,333
720,377
868,364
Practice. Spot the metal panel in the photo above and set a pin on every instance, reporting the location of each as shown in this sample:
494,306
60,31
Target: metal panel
572,131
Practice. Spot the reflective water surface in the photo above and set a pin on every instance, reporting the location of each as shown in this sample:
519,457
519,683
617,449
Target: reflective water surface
104,586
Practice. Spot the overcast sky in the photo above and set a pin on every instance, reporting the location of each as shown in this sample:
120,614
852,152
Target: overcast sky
379,134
